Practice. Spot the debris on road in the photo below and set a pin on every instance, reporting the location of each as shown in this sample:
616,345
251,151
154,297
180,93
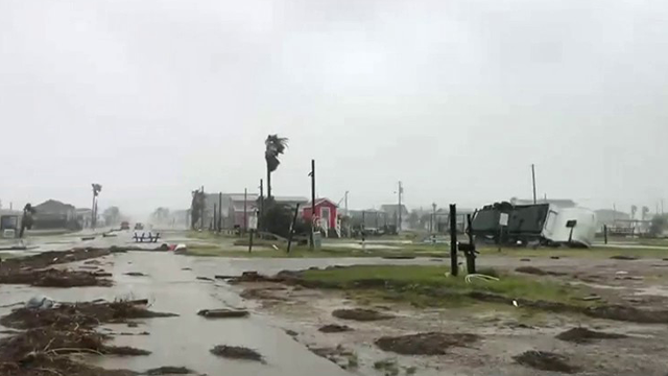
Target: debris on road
546,361
236,352
624,257
334,328
223,313
168,370
136,274
360,314
584,335
54,278
50,334
432,343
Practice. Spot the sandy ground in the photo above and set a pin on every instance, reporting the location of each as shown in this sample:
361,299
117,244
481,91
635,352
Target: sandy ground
505,331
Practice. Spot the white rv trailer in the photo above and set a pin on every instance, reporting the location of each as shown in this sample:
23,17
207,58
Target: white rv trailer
557,231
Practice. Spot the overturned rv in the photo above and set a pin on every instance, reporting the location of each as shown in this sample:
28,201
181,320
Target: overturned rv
547,224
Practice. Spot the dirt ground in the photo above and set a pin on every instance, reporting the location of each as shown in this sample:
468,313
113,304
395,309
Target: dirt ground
486,338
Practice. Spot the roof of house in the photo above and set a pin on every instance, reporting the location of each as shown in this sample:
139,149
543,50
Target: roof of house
241,196
392,208
288,199
53,206
319,201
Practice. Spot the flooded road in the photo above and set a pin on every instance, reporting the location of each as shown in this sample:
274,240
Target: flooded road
187,339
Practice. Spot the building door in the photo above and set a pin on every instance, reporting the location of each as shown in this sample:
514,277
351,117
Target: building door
324,218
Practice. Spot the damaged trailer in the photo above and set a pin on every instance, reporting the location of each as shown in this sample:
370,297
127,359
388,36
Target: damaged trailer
547,224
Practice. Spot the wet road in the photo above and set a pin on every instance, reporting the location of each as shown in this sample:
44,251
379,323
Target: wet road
187,339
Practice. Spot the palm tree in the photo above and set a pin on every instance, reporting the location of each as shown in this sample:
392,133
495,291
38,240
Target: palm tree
274,147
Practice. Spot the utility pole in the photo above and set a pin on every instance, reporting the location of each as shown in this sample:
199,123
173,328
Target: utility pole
533,179
219,224
312,174
346,203
245,210
400,191
259,218
201,210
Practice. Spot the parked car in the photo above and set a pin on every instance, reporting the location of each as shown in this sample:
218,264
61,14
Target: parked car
125,225
139,226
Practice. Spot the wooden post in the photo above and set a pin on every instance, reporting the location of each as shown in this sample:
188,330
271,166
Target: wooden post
292,227
454,268
605,234
471,253
250,241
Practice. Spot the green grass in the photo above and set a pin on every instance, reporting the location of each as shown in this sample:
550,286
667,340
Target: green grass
264,249
416,283
208,235
8,255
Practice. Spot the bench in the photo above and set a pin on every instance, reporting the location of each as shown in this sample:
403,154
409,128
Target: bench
148,238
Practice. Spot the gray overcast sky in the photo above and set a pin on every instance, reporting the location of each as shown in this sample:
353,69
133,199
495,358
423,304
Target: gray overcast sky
456,98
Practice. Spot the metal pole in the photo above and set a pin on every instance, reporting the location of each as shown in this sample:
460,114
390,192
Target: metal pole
454,268
533,178
245,210
312,202
92,212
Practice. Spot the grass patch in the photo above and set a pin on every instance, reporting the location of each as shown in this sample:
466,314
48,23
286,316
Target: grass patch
428,285
260,251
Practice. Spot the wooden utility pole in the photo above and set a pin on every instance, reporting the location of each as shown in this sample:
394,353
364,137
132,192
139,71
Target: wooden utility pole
219,224
214,224
400,191
292,227
454,268
533,179
201,210
312,174
259,218
245,210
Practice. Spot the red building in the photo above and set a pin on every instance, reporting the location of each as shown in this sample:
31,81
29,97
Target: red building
325,210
